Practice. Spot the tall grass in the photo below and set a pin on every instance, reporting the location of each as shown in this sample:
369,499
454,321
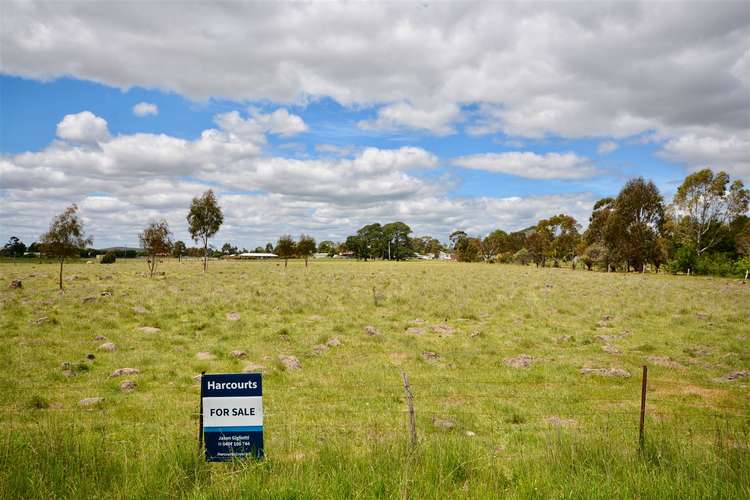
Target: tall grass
65,461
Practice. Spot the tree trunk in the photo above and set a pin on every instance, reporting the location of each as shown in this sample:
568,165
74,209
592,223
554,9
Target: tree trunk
205,254
61,270
306,261
285,262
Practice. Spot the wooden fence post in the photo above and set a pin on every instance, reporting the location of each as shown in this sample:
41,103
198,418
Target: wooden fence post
642,431
410,406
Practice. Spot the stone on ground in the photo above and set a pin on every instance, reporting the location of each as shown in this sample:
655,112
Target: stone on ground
605,372
127,385
140,310
442,330
124,371
664,361
233,316
371,330
443,423
290,362
415,330
88,402
430,356
333,342
253,368
522,361
737,375
149,329
108,347
238,354
16,284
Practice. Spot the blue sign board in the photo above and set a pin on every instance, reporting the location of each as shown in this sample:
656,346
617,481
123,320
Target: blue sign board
232,416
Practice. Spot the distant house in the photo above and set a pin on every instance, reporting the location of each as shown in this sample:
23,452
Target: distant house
255,255
344,255
320,255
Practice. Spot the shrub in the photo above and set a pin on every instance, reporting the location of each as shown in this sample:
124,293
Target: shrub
715,264
109,258
684,259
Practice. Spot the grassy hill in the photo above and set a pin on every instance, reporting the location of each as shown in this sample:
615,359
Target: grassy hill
526,381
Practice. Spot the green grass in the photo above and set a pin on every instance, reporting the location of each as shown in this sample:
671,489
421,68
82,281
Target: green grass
337,427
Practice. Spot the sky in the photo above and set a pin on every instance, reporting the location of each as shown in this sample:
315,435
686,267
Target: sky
321,117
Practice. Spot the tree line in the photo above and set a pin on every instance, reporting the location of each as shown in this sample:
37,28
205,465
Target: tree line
705,229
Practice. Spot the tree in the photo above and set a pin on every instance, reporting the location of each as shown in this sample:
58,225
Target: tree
14,248
285,248
327,247
493,244
564,232
467,249
269,247
179,249
156,240
456,236
204,220
539,242
228,249
704,205
306,247
635,223
65,237
371,241
397,241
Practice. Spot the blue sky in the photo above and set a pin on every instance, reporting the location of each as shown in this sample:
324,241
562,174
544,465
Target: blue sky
355,131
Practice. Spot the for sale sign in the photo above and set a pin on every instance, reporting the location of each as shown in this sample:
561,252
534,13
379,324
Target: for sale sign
232,415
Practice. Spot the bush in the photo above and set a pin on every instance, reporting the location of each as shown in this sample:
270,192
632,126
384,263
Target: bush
108,258
684,259
715,264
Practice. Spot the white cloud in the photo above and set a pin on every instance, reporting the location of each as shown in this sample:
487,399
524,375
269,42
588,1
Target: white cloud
606,147
530,165
145,109
402,115
279,122
562,69
83,128
133,178
714,150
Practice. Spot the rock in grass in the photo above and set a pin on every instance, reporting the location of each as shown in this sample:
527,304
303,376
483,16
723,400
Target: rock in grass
561,422
100,337
90,356
371,330
319,349
238,354
443,330
87,300
89,402
333,342
16,284
140,310
253,368
443,423
149,329
415,330
124,371
233,316
737,375
664,361
611,349
127,386
522,361
40,321
430,356
605,372
204,356
108,347
289,362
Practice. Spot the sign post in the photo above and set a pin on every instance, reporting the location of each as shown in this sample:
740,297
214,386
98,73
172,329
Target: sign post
232,411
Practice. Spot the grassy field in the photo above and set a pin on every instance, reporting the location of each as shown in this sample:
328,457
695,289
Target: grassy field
494,354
